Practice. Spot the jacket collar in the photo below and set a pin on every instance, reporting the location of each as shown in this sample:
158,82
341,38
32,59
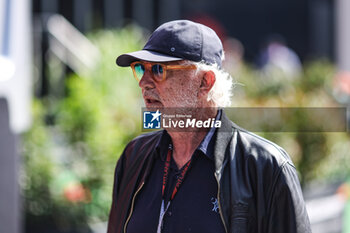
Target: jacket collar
206,146
223,137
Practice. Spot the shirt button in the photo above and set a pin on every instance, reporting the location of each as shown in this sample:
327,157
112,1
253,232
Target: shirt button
170,213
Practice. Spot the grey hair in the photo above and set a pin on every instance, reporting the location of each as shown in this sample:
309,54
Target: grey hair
221,92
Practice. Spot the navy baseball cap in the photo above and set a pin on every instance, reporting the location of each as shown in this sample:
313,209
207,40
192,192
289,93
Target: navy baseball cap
178,40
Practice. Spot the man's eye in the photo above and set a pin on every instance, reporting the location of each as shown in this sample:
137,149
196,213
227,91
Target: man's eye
157,69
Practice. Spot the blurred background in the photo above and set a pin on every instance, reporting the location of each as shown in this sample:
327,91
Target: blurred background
67,111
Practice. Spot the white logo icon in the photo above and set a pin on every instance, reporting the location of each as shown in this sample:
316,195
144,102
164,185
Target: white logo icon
151,120
215,203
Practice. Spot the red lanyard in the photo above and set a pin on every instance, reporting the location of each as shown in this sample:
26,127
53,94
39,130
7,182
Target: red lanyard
166,173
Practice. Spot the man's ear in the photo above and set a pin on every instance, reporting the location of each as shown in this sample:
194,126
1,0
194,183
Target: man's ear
208,80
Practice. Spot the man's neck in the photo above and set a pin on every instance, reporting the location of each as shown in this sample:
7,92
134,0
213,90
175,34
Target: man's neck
185,143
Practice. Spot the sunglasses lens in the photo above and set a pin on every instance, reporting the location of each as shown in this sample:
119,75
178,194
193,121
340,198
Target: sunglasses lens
139,70
157,71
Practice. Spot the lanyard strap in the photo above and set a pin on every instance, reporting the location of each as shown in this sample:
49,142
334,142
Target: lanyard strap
166,174
164,207
163,210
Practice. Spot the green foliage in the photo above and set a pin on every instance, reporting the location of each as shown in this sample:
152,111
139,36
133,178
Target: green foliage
336,166
318,75
69,164
311,152
36,158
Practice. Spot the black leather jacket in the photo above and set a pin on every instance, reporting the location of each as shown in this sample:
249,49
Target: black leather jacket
258,187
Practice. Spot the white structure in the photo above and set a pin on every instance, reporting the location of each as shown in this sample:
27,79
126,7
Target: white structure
343,34
15,101
16,60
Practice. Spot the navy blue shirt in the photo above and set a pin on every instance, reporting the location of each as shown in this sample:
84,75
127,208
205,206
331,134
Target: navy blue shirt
194,208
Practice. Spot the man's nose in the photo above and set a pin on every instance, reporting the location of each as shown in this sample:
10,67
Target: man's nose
147,81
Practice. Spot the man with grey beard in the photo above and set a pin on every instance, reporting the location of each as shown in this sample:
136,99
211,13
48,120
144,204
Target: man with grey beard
217,179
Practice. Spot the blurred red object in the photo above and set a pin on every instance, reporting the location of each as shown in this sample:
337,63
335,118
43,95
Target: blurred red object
342,81
75,192
341,87
344,191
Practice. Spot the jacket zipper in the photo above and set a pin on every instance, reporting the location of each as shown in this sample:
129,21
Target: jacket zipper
132,206
218,196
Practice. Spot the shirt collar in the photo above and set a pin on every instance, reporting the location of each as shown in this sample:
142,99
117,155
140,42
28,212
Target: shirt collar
206,146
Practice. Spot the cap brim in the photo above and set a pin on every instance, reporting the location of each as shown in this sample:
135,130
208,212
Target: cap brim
145,55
